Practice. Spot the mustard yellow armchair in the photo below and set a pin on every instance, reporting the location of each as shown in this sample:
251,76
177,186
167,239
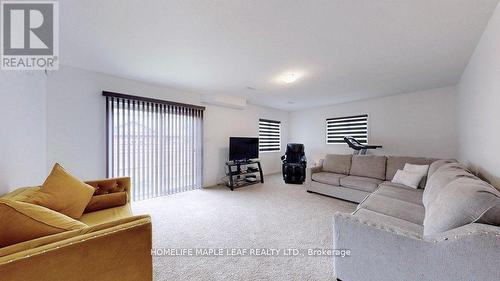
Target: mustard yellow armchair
115,246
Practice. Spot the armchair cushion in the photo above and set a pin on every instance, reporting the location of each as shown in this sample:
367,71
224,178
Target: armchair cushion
112,185
119,250
63,193
107,215
22,221
105,201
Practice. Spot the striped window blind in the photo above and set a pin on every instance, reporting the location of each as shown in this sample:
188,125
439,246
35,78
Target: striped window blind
156,143
269,135
354,126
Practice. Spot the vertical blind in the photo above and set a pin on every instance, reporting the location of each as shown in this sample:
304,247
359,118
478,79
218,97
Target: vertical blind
269,135
156,143
354,126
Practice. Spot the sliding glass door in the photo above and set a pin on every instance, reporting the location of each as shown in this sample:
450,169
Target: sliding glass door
158,144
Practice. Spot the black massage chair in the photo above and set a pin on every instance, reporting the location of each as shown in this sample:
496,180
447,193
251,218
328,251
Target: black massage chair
294,164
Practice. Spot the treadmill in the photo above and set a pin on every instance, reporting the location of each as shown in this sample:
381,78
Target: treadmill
359,148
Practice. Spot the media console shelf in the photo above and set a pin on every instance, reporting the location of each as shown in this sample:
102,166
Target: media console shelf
243,173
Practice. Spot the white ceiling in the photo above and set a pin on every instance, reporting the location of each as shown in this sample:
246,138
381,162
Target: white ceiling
346,49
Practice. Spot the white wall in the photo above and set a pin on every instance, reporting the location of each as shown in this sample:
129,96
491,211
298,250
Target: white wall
479,105
414,124
222,123
22,129
76,134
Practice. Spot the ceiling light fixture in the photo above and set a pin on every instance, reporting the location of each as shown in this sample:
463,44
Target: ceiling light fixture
290,77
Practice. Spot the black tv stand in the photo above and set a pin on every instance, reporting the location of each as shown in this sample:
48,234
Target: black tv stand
238,177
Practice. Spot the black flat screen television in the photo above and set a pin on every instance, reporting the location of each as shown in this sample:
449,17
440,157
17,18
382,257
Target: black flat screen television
243,148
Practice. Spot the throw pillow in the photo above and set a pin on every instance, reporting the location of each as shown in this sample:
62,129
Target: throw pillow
419,169
407,178
22,221
63,193
105,201
463,201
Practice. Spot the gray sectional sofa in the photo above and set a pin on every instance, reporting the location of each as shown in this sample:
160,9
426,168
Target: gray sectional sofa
448,229
353,177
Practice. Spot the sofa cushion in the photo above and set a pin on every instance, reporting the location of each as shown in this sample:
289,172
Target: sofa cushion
463,201
434,166
385,220
337,163
394,207
443,176
400,192
20,221
370,166
327,178
63,193
360,183
395,163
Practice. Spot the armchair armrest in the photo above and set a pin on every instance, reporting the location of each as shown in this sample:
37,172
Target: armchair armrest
409,256
303,159
124,182
118,250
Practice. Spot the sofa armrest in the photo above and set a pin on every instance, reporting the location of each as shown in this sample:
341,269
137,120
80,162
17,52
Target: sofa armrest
472,229
119,250
124,182
312,170
407,256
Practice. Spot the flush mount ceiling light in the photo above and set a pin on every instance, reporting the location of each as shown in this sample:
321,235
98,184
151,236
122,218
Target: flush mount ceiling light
289,77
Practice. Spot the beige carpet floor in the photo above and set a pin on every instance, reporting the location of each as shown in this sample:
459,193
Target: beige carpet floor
270,215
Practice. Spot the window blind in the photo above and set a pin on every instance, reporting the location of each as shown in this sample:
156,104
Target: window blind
156,143
354,126
269,135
